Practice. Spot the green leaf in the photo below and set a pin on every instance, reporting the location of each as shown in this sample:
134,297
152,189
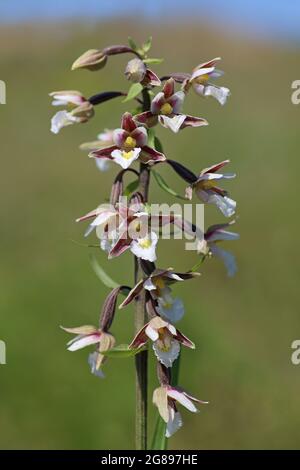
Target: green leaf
162,183
132,44
131,188
122,351
147,45
153,60
151,137
104,278
133,91
158,145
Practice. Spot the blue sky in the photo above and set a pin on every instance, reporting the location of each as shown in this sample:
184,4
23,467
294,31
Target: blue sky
268,18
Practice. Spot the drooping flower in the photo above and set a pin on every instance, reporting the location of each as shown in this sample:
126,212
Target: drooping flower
200,81
210,245
130,144
81,110
104,139
86,336
157,284
166,109
207,190
166,398
166,340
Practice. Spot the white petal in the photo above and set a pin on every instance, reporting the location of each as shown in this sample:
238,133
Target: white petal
202,71
174,423
223,235
83,341
167,357
182,399
120,157
92,361
220,93
174,123
172,312
148,284
141,249
151,333
227,258
60,120
226,205
102,164
103,217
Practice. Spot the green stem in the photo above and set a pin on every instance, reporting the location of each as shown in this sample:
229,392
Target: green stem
141,359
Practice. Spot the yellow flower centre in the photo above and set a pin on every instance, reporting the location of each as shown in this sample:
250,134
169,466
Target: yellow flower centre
207,184
127,155
130,142
166,109
202,79
164,340
159,283
146,243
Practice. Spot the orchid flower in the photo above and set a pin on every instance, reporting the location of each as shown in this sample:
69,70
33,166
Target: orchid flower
86,336
166,340
166,109
212,237
81,109
157,284
166,398
207,190
200,81
130,143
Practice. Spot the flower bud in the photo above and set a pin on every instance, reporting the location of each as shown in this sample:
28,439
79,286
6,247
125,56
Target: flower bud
93,59
83,112
135,70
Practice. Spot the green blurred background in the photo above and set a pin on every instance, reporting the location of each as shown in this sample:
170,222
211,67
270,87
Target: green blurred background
243,327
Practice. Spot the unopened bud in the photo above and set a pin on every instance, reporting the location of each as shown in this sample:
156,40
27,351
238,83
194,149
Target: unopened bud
83,112
93,59
135,70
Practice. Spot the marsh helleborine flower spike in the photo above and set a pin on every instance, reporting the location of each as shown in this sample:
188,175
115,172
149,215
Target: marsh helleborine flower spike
166,109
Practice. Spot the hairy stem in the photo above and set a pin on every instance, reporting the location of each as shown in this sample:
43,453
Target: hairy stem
141,359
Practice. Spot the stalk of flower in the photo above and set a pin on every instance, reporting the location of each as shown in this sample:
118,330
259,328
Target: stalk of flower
166,340
166,398
200,81
210,245
207,190
166,109
130,144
